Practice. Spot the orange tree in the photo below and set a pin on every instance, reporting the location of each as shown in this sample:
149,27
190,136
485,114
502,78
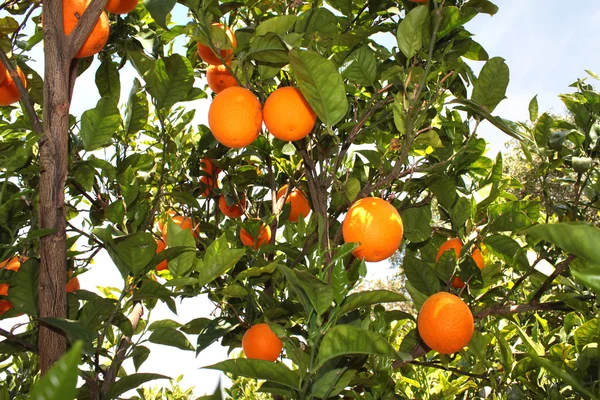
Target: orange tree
397,123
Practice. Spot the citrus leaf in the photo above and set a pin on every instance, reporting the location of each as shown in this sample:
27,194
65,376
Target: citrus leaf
360,66
135,251
349,339
420,275
99,124
170,81
212,331
259,369
362,299
159,10
170,337
60,382
480,111
136,110
218,259
564,376
321,84
75,331
107,81
23,291
533,109
130,382
410,31
417,223
490,88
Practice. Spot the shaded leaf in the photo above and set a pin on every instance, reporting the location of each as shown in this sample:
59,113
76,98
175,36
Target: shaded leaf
259,369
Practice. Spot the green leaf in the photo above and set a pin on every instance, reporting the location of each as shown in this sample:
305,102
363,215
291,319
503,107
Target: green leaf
183,238
99,124
490,88
170,337
319,293
269,48
564,376
586,334
321,84
533,109
130,382
171,80
135,251
367,298
136,110
256,271
219,259
95,312
75,331
8,25
259,369
480,111
420,275
587,273
60,382
234,290
160,10
399,115
578,238
212,331
108,82
360,67
349,339
410,31
508,250
23,291
279,25
543,130
332,382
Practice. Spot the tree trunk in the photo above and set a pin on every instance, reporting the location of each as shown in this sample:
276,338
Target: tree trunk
53,162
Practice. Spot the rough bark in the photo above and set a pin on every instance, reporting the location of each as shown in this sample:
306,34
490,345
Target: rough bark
53,161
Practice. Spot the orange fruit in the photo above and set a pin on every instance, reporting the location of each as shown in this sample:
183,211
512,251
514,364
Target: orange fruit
2,72
235,117
264,236
445,323
72,12
287,114
5,305
219,78
376,225
261,343
299,203
209,57
235,210
163,220
12,264
121,6
9,93
456,244
184,223
160,246
212,171
73,285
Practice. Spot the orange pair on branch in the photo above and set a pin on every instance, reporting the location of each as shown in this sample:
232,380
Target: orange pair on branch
456,245
263,237
298,202
376,225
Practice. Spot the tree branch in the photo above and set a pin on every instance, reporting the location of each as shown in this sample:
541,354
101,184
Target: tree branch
25,99
560,268
450,369
13,338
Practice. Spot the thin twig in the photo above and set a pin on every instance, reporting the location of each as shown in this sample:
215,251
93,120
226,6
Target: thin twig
560,268
13,338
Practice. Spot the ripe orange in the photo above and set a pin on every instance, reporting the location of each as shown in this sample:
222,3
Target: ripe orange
12,264
2,72
299,203
376,225
445,323
121,6
73,285
456,244
219,78
287,114
160,246
264,236
72,11
9,93
163,220
261,343
235,117
235,210
209,57
184,223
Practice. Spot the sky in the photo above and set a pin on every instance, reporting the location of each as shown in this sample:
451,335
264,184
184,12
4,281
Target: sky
546,44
